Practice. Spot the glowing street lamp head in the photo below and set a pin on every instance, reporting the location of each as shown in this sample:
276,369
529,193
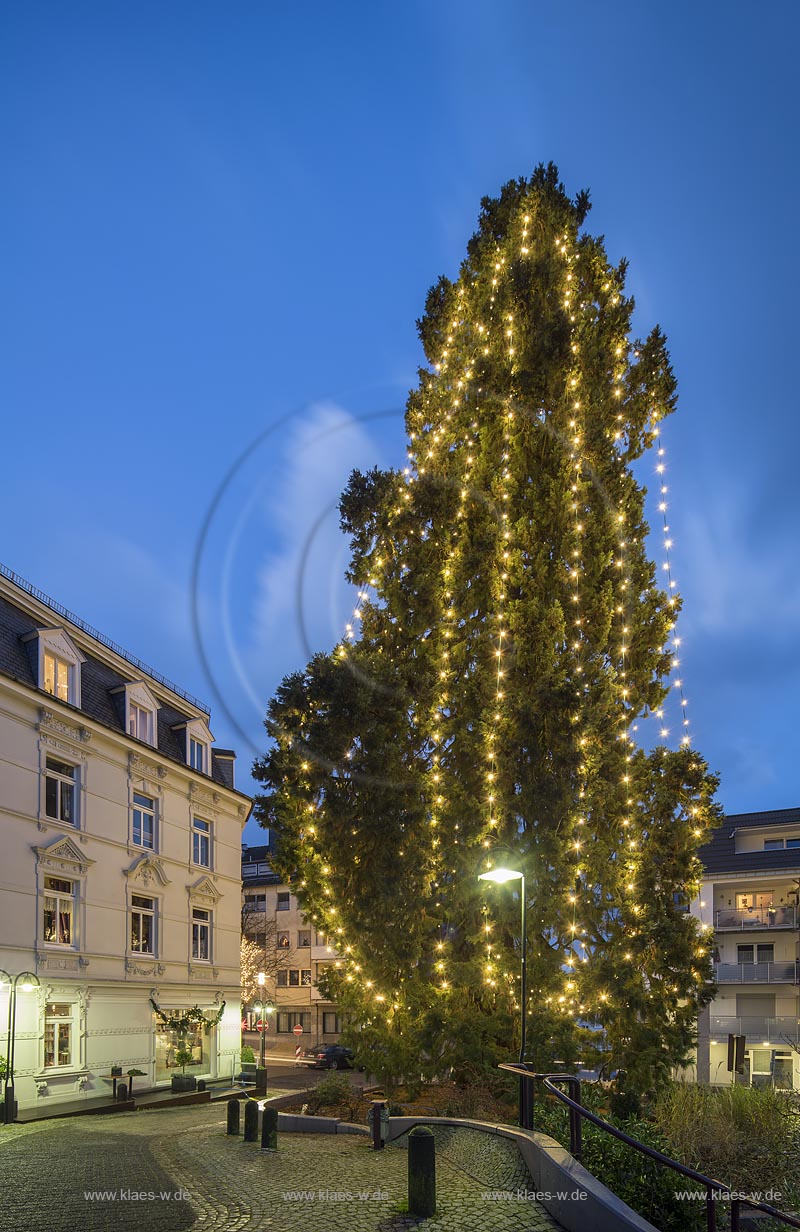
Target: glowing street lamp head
500,875
262,979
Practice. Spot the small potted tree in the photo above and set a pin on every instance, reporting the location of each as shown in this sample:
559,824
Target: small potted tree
183,1081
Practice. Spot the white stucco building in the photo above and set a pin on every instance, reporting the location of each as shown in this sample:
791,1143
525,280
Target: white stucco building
120,861
748,904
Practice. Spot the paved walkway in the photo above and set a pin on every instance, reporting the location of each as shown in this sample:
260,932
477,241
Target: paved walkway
53,1175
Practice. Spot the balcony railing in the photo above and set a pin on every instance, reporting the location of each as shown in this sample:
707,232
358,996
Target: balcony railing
773,1030
759,917
756,973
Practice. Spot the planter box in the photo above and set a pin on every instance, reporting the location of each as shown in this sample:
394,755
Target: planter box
184,1082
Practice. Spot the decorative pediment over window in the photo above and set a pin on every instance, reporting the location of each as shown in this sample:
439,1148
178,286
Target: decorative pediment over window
64,856
203,890
138,708
56,663
197,740
147,869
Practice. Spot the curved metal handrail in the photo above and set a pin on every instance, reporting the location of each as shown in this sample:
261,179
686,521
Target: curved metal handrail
579,1113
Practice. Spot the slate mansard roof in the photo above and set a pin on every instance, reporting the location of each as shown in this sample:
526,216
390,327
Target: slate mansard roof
99,678
719,853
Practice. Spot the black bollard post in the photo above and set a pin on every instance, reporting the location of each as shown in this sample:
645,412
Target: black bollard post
376,1118
233,1117
421,1172
251,1121
122,1092
269,1128
261,1081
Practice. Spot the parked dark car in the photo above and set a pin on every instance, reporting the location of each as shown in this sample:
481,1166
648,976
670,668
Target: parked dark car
329,1056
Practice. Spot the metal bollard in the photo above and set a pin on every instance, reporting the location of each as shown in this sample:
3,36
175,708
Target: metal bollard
233,1117
261,1081
269,1128
251,1121
421,1172
378,1123
122,1092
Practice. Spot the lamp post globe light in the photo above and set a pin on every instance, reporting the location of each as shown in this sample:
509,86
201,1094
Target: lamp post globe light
261,980
500,876
265,1009
27,981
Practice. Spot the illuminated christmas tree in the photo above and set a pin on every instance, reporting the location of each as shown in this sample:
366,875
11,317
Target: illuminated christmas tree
510,635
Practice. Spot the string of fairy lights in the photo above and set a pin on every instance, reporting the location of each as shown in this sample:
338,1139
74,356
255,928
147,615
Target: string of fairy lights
666,566
432,448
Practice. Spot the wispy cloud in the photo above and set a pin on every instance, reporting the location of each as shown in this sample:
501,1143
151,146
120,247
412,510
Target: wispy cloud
295,600
740,581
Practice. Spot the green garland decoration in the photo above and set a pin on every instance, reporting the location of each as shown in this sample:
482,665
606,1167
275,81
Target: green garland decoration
183,1023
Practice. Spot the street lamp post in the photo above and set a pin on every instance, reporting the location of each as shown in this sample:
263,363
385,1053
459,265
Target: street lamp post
29,982
262,979
500,876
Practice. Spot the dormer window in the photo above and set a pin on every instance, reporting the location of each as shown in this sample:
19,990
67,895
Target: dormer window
56,662
197,741
140,723
138,709
56,676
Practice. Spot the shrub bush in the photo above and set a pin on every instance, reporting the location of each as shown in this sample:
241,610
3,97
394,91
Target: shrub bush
745,1136
248,1056
333,1092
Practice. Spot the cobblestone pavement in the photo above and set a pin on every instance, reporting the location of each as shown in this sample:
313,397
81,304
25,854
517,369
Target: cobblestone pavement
202,1179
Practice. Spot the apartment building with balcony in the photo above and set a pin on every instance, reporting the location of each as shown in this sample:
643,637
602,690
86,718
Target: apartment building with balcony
120,882
749,904
295,955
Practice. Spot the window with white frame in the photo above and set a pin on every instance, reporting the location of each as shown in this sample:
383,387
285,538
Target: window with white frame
201,842
143,924
59,911
197,755
58,664
56,675
60,791
197,744
58,1035
754,900
330,1023
141,723
304,938
283,941
143,822
283,901
294,977
201,934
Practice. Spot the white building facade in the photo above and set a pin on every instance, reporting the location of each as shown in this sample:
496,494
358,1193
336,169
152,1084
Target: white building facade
749,903
120,877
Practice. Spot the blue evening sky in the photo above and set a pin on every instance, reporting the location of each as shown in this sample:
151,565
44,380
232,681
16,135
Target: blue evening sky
219,223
